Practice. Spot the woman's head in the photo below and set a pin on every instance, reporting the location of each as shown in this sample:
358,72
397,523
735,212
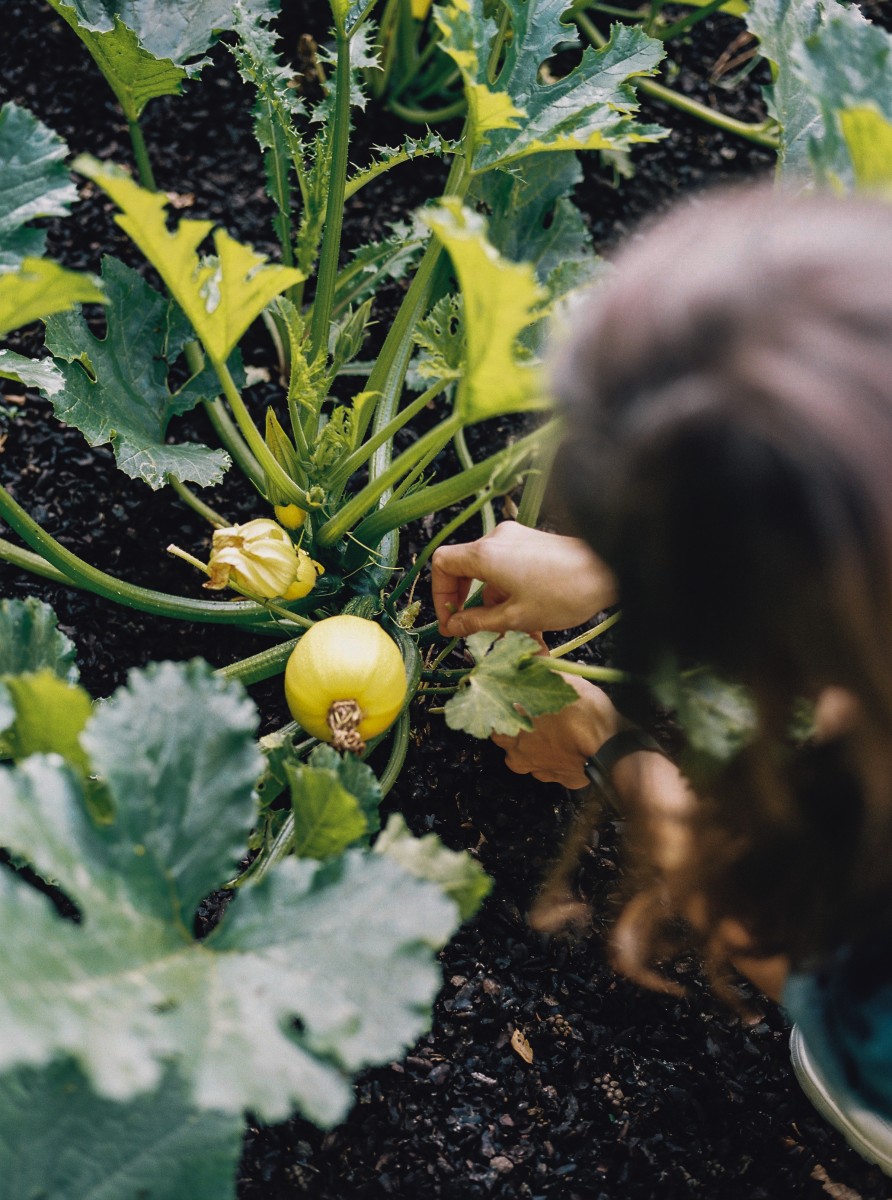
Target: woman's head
728,398
728,452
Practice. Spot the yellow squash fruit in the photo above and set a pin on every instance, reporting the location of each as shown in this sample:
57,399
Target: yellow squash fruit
345,681
290,516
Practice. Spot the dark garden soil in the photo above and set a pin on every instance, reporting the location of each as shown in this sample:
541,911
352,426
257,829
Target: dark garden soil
628,1094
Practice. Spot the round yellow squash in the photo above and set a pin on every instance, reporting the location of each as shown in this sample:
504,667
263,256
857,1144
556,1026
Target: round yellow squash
342,659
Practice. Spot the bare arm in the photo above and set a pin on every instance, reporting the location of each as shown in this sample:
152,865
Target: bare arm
532,581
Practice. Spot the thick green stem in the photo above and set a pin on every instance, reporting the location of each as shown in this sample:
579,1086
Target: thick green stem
141,154
258,667
692,18
92,579
440,495
763,133
359,505
197,504
291,492
428,116
234,443
447,531
595,674
536,485
364,452
334,212
585,638
398,750
27,560
464,457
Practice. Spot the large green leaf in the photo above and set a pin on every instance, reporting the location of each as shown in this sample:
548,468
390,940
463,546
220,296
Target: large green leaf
534,220
33,183
500,300
39,288
115,389
61,1141
509,686
132,73
846,65
345,950
781,26
327,818
459,875
173,29
221,296
591,108
30,640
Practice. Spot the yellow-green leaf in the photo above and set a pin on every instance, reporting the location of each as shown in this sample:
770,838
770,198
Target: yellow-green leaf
221,296
868,137
501,299
40,287
50,715
133,74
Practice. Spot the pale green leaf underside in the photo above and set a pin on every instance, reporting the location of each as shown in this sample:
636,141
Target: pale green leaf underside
177,30
30,640
459,876
32,372
39,288
123,398
348,948
500,300
781,26
133,74
509,686
846,65
59,1139
33,183
221,297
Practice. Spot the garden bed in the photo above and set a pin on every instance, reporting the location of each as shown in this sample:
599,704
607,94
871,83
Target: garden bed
625,1094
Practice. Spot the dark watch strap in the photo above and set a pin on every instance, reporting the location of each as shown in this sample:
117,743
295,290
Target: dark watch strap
600,765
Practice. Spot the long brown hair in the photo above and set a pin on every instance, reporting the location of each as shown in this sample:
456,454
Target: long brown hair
728,451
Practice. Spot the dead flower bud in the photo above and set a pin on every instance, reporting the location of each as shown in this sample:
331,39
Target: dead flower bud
258,556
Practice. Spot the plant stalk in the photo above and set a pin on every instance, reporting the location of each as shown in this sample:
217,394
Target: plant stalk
763,133
334,211
92,579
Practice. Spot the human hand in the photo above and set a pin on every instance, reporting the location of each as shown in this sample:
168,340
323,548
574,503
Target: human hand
556,749
532,581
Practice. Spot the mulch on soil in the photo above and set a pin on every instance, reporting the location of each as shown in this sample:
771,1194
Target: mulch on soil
626,1093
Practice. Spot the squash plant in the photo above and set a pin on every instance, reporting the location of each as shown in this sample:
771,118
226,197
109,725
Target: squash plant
488,263
118,1021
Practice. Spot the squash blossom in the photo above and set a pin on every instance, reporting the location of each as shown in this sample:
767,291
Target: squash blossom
308,571
258,556
420,9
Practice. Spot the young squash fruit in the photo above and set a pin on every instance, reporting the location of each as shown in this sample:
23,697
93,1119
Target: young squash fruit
345,681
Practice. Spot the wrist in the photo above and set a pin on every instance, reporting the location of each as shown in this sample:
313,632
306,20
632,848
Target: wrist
616,763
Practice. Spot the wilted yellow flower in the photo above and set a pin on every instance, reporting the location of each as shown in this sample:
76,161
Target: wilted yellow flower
420,9
258,556
308,571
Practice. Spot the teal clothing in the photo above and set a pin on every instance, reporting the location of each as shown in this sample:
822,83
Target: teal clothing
844,1010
